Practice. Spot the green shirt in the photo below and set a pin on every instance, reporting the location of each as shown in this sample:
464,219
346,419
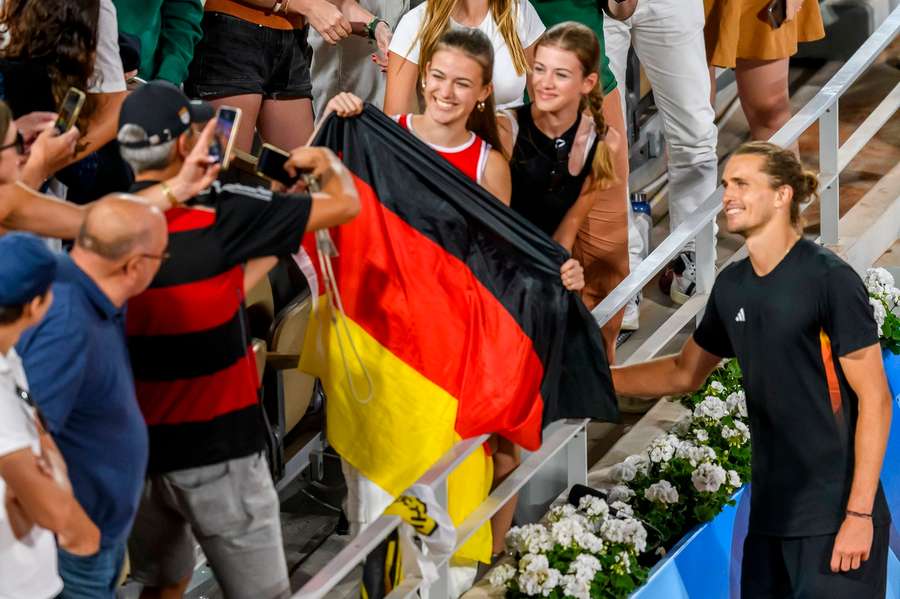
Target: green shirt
553,12
168,30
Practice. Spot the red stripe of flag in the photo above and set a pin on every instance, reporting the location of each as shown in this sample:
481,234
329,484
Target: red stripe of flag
426,307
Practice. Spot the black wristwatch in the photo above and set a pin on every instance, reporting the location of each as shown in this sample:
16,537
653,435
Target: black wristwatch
372,25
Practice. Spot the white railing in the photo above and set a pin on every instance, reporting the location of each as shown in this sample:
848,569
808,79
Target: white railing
568,438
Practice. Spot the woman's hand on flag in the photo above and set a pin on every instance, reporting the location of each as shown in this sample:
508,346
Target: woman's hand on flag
572,275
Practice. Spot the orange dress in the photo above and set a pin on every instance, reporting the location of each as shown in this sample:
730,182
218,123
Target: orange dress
739,29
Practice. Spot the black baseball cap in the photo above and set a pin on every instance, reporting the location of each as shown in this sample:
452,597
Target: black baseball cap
162,111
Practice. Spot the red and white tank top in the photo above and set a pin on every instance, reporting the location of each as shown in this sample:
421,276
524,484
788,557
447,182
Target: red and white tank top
470,157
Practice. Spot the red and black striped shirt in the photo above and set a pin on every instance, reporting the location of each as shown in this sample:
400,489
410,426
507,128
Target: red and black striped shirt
194,373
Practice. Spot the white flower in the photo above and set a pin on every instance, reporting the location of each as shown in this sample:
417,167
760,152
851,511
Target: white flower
695,454
737,403
619,494
711,408
575,587
536,577
623,563
878,280
621,509
500,575
560,512
717,387
564,531
707,478
662,449
593,506
879,312
585,566
582,570
738,435
626,470
662,492
627,531
589,542
734,479
701,435
531,538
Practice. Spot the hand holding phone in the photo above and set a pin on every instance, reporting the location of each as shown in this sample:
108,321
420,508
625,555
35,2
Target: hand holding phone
227,121
270,164
776,13
69,109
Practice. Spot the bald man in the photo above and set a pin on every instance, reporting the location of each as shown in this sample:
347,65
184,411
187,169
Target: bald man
78,367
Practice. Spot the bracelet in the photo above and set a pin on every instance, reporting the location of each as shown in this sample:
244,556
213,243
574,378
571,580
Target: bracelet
859,514
372,25
277,6
169,194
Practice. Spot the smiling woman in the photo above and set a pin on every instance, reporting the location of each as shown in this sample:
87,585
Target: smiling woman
511,26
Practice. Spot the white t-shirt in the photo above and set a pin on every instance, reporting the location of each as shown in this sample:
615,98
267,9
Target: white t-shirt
108,77
509,87
28,565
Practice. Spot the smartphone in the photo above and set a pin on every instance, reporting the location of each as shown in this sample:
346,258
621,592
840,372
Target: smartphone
227,121
776,13
69,109
270,164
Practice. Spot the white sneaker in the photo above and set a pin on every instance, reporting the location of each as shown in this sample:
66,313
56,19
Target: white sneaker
684,269
630,322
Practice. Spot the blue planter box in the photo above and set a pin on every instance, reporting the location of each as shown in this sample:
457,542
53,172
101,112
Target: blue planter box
706,563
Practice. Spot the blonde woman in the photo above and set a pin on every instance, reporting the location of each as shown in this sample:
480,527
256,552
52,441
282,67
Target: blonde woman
512,26
563,157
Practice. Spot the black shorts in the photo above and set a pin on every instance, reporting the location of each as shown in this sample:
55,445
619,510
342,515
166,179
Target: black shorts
800,568
237,57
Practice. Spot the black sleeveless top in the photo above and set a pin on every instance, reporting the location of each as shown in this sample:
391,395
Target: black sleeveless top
543,190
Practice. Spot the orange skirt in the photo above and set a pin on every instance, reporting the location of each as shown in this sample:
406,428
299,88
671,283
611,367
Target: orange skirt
739,29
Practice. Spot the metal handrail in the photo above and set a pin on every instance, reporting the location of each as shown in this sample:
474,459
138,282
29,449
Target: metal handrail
699,225
706,213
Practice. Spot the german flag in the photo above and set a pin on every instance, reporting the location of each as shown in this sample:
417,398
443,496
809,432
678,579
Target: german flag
455,319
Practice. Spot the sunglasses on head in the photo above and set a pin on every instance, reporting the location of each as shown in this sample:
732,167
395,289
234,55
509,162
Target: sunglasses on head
18,144
25,396
561,168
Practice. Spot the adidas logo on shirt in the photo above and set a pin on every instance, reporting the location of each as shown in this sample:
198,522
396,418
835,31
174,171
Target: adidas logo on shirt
740,316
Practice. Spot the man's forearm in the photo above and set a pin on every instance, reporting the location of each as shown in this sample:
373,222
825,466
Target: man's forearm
353,11
872,428
652,379
24,209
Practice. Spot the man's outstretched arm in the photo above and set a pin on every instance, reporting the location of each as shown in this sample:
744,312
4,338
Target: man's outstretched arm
683,372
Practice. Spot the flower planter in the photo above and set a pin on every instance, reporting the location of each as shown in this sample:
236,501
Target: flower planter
706,562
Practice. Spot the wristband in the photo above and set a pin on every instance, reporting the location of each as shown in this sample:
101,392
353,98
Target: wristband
169,194
859,514
372,25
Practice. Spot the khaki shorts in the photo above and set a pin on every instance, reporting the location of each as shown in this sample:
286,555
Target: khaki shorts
232,510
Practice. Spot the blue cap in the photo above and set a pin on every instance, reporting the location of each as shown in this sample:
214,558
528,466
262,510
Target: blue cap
27,268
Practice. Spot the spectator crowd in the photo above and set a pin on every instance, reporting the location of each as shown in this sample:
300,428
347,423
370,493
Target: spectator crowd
130,426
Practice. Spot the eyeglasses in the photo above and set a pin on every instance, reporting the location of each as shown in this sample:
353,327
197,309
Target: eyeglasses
18,144
161,257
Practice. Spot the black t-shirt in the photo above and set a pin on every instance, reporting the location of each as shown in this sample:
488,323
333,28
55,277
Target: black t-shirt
187,332
787,330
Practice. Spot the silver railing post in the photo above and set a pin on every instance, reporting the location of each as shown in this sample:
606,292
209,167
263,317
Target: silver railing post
440,589
828,169
576,459
705,255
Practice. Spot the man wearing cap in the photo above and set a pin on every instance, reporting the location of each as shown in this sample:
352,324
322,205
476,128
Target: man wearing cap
37,500
80,376
195,377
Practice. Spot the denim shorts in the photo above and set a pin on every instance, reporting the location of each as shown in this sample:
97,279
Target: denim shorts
237,57
91,577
